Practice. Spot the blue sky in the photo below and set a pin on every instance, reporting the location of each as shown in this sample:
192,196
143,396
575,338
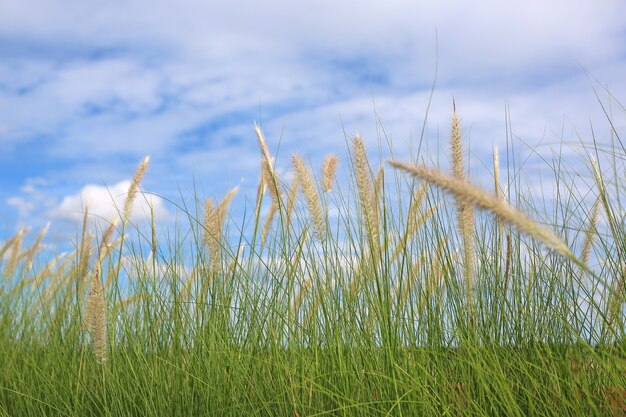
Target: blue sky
87,89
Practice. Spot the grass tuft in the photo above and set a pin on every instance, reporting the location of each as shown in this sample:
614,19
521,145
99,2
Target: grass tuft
277,315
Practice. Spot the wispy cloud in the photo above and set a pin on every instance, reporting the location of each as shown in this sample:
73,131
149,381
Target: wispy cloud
87,90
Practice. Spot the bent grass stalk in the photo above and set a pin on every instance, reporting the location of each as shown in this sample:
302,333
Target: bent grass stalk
16,249
13,241
472,195
28,254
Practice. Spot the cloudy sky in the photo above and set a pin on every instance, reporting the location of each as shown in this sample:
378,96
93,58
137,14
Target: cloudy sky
87,89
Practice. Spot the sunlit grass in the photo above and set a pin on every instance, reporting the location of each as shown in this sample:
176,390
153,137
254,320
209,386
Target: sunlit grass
358,296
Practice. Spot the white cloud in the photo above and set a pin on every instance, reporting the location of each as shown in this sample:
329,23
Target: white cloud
106,203
513,30
104,83
96,84
211,59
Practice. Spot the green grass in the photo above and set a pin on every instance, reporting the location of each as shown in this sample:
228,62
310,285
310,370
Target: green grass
370,316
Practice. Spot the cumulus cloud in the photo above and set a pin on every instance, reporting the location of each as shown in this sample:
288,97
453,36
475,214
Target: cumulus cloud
105,203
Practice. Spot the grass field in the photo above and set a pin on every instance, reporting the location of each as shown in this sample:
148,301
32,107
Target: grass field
400,289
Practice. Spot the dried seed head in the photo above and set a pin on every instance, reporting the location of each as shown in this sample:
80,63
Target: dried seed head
465,213
269,178
213,233
591,229
262,145
310,194
364,187
456,145
106,238
291,202
475,196
223,206
96,318
329,169
15,243
134,187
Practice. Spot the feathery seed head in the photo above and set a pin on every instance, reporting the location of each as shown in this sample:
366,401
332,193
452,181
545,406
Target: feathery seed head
262,145
14,243
364,187
134,187
223,206
310,194
96,317
379,182
213,233
328,171
470,194
456,145
106,238
291,202
269,178
465,214
591,229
